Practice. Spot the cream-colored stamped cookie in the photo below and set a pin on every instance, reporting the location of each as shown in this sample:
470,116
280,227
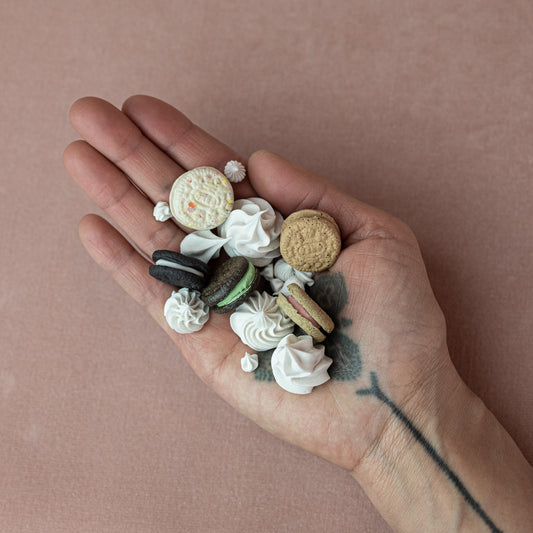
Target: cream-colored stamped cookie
201,199
310,240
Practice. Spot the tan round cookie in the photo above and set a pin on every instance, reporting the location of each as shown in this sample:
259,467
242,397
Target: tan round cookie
310,240
201,199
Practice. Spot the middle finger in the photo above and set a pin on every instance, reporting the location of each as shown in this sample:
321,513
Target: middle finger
111,190
116,137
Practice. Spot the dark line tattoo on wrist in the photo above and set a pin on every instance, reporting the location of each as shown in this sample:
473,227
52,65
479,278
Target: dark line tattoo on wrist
328,291
375,390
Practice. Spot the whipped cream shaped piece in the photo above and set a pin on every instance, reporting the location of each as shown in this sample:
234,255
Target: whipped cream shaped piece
162,212
260,323
275,283
253,229
235,171
298,366
185,312
282,274
203,245
249,362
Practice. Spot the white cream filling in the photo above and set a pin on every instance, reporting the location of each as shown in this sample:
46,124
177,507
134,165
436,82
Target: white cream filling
165,263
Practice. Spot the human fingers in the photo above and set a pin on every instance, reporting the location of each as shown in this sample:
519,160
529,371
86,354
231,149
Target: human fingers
180,138
290,188
116,137
113,192
111,251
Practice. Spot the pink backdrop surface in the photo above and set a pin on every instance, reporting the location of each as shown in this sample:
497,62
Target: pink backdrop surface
424,109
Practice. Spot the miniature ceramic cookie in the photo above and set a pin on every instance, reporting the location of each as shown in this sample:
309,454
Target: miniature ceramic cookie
305,312
310,240
231,284
201,199
179,270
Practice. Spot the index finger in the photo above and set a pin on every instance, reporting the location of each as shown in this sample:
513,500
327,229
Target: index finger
137,144
177,136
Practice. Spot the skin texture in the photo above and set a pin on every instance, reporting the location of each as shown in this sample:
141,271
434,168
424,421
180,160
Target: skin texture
388,324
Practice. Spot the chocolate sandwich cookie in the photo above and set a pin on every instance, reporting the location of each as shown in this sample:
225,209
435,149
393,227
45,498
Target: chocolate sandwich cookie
305,312
179,270
310,240
231,283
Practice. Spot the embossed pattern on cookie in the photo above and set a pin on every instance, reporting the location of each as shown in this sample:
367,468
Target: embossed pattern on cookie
201,199
310,240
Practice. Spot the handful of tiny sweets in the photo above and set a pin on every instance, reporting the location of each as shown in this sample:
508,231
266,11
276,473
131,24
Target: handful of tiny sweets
243,258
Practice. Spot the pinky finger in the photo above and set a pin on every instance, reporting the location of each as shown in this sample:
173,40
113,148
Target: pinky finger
111,251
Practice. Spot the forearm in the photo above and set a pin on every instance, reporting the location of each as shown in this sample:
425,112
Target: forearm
446,464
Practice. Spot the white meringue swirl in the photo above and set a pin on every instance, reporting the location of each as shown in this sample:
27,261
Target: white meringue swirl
162,212
235,171
249,362
253,229
298,366
282,274
203,245
260,323
185,312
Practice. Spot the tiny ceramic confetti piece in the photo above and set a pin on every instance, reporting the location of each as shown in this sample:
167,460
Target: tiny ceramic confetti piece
162,212
250,362
235,171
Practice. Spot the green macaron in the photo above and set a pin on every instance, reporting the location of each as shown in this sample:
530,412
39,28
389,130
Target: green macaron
230,285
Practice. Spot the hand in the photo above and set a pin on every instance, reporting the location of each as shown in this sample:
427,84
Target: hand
395,413
387,319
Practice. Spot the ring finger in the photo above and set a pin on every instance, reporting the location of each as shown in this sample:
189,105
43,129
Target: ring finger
113,192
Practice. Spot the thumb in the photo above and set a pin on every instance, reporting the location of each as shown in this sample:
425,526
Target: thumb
290,188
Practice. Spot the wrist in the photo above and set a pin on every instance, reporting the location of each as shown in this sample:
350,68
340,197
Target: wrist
443,454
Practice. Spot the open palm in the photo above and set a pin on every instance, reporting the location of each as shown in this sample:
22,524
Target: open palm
387,320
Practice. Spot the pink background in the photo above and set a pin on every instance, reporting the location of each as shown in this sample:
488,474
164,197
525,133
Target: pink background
421,108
